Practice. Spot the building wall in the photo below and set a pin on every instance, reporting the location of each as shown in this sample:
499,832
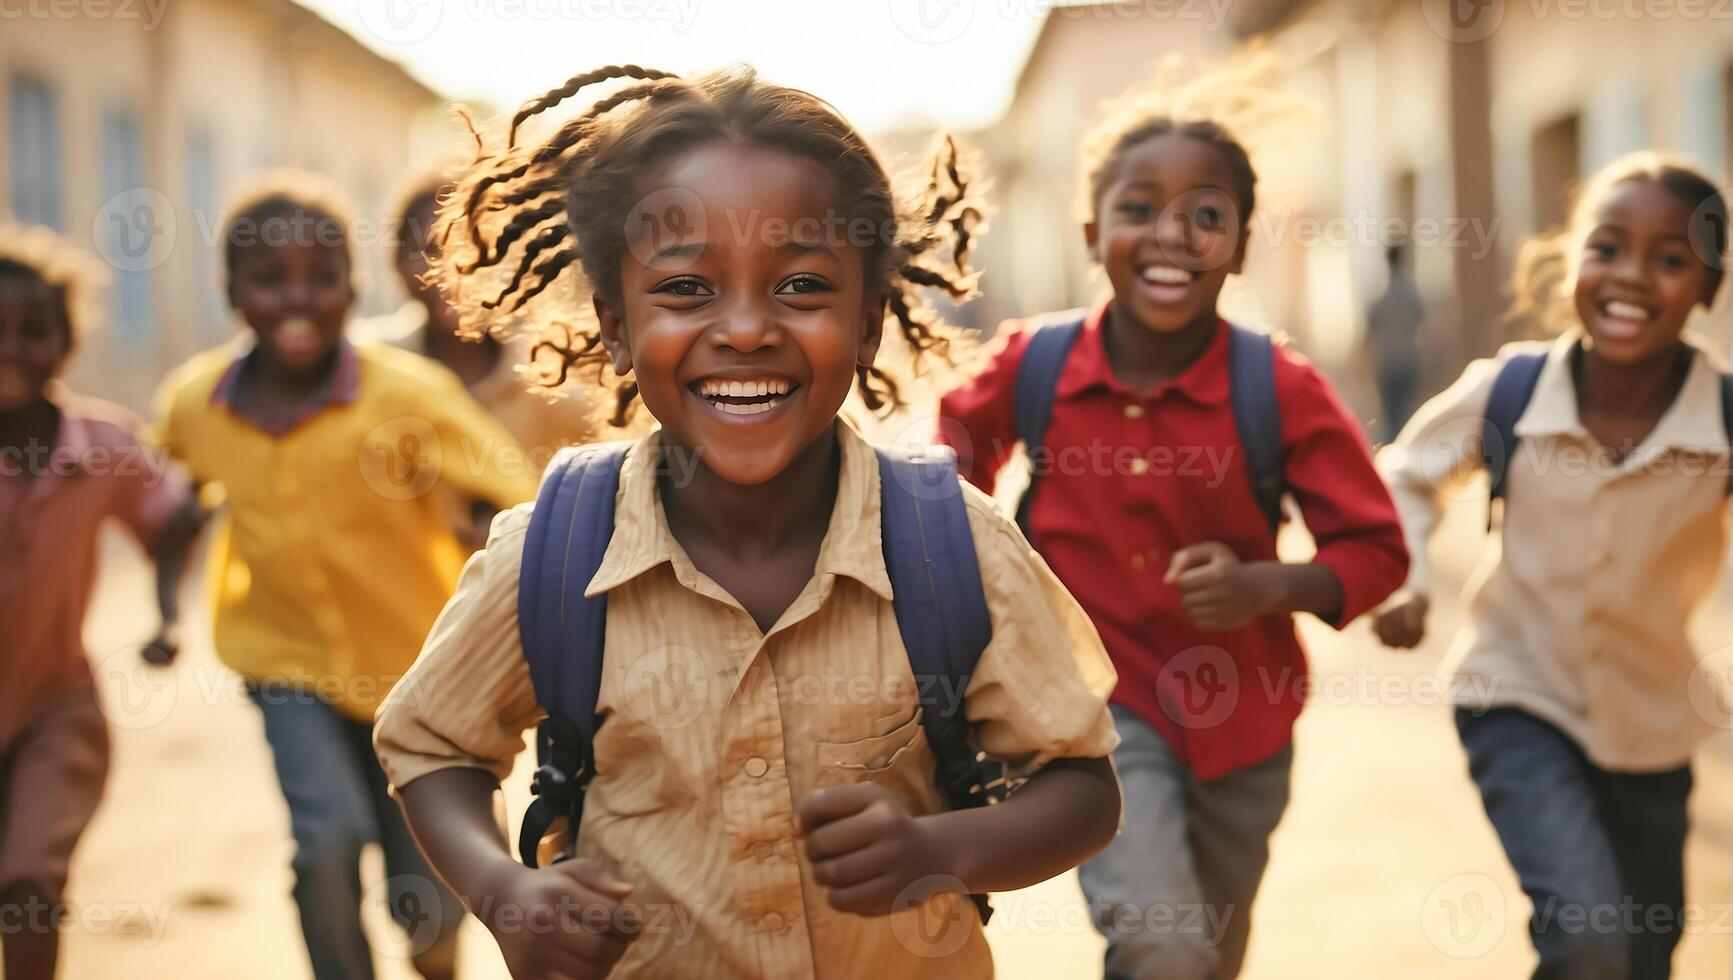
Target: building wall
220,89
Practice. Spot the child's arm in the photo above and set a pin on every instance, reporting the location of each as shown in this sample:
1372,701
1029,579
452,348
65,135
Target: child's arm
481,461
174,547
1431,460
446,736
976,418
585,925
876,858
1327,467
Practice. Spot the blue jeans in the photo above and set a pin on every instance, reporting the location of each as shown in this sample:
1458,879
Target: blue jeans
338,802
1601,854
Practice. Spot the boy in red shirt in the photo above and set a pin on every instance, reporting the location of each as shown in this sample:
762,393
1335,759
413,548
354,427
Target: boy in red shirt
1170,437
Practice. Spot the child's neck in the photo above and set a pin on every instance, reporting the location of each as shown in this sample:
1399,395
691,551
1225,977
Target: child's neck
749,522
1144,358
28,430
1639,390
280,385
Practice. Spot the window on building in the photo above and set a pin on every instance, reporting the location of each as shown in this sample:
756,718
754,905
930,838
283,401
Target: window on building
1555,160
201,202
128,224
35,139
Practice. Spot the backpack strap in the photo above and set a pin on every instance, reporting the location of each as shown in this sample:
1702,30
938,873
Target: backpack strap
1511,392
941,610
1257,416
1036,388
562,630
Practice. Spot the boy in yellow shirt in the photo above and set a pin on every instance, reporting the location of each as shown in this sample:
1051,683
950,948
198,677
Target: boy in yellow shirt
335,463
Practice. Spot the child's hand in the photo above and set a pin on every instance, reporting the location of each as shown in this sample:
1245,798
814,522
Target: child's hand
866,848
1219,591
164,647
567,920
1401,624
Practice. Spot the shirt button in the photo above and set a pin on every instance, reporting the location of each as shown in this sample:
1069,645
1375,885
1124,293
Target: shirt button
763,850
1137,561
774,922
1134,411
756,767
1139,466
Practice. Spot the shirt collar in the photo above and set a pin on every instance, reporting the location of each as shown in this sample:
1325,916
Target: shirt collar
852,544
340,386
1692,422
1204,381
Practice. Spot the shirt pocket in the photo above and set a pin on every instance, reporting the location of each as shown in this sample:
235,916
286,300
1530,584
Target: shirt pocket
897,758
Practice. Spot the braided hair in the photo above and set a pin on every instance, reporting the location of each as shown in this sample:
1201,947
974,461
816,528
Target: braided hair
531,228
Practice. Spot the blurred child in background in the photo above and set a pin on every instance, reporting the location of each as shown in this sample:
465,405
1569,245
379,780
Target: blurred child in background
1608,447
67,463
489,367
1162,439
333,460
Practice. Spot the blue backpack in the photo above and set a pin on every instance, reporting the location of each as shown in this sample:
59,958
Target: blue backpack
1252,392
1511,392
940,607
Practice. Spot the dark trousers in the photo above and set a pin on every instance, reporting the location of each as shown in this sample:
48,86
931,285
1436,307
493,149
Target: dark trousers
1600,854
338,802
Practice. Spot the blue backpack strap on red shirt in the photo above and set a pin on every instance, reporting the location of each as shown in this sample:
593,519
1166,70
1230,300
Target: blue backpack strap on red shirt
1252,387
940,604
561,629
1036,388
1257,416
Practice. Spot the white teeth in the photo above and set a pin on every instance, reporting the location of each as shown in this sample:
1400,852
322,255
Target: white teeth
1627,311
1166,275
714,387
753,409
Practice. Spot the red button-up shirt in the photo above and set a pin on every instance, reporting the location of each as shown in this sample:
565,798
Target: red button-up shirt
1131,477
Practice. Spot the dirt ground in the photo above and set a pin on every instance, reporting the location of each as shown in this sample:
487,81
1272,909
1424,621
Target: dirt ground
1384,865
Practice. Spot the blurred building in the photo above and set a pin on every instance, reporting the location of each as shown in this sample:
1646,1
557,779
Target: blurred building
1459,125
126,127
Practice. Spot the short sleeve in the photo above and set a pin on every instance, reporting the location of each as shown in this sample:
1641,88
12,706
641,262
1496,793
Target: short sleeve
1040,690
467,700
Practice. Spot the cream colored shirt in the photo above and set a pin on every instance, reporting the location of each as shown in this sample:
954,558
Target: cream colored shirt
714,732
1578,614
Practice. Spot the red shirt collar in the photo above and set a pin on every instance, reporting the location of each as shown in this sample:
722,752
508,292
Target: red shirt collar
338,388
1205,381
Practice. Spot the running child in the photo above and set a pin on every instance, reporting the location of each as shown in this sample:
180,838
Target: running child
1608,448
334,462
1162,438
763,751
67,463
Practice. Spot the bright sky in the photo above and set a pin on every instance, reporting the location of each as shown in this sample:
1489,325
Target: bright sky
881,62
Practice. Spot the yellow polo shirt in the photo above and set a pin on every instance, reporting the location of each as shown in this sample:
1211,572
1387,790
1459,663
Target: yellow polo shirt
338,554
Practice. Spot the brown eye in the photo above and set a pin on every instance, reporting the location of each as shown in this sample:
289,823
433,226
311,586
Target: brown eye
804,284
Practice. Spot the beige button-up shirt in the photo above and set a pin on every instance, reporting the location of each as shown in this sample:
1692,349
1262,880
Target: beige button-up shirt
1579,616
714,731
